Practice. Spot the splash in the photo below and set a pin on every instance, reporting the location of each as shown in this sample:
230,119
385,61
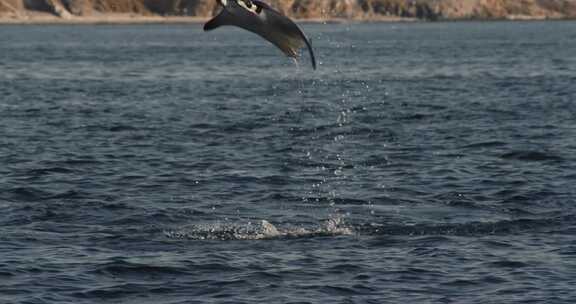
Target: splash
261,230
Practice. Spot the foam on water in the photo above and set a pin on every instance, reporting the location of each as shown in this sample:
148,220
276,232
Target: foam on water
260,230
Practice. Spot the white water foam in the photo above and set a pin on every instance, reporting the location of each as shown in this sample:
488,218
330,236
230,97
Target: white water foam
257,231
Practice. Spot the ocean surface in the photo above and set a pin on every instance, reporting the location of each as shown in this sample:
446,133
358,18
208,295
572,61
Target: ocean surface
421,162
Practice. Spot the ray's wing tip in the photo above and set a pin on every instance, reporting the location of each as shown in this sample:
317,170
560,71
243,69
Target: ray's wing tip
205,27
208,26
313,59
311,51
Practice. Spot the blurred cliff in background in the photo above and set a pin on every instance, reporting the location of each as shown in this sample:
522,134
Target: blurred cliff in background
304,9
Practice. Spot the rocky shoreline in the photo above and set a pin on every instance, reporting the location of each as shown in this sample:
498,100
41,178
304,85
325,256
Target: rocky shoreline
163,11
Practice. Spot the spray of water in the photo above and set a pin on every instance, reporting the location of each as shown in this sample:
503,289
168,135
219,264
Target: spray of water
260,230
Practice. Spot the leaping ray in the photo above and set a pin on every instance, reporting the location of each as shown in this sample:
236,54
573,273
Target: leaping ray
259,18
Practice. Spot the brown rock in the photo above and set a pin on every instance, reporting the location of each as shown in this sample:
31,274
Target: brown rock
317,9
12,6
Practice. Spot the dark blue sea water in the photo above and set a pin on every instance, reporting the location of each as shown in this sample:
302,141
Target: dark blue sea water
421,162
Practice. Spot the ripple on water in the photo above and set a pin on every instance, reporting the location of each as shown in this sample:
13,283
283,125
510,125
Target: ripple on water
447,161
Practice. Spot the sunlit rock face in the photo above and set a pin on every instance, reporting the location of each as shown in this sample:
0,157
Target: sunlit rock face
314,9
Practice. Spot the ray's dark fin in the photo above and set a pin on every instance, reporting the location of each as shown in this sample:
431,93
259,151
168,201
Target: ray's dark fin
310,50
221,19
